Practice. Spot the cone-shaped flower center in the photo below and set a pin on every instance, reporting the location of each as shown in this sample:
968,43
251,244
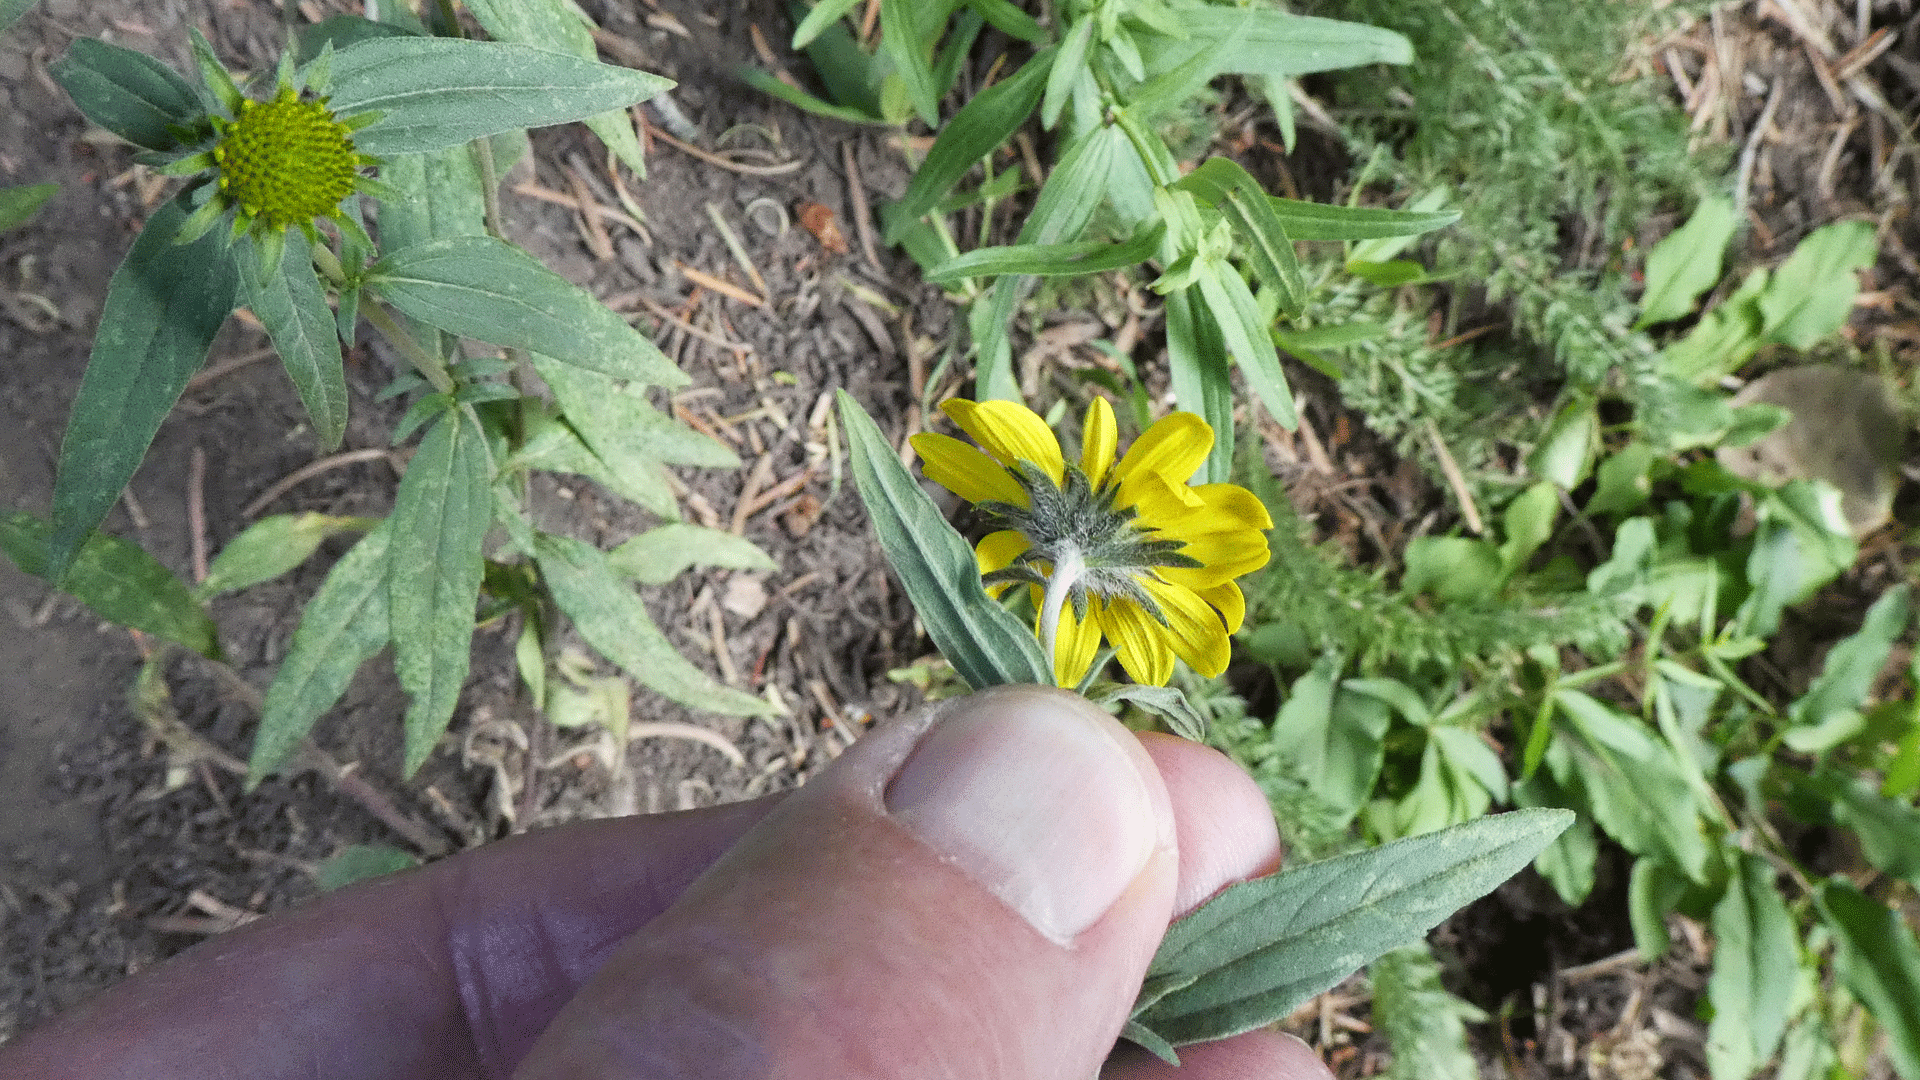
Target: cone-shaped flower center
286,161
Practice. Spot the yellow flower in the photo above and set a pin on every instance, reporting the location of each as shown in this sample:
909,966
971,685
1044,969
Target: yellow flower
1125,551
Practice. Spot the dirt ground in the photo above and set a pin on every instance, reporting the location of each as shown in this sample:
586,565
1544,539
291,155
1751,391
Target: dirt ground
124,838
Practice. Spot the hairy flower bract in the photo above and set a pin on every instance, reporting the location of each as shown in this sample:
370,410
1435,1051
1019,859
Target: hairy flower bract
1123,550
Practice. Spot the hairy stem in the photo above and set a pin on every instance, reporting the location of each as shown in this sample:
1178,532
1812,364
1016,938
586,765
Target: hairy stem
1065,573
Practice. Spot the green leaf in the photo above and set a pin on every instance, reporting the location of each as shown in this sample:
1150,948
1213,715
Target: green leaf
1425,1026
129,93
664,552
1723,339
552,444
1334,735
487,289
358,862
767,84
1197,369
1811,294
1457,569
1653,890
1687,262
1233,309
1223,184
909,42
1623,484
1008,19
1273,43
293,308
1050,260
164,306
1564,454
1569,862
1318,221
624,430
271,547
1888,829
19,204
1165,702
11,11
613,619
436,92
822,15
986,645
119,581
341,31
1636,786
440,519
1847,677
1068,67
1879,963
1528,522
1756,968
561,26
1251,955
345,623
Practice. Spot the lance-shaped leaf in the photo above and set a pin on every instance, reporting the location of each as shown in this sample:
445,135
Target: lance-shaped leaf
434,92
1687,262
558,24
1052,260
1224,185
982,124
129,93
1878,961
985,644
164,306
1756,962
440,519
11,11
664,552
1232,308
1319,221
345,623
487,289
905,39
1197,369
1273,43
1251,955
613,619
823,14
293,308
118,580
19,204
271,547
1165,702
622,426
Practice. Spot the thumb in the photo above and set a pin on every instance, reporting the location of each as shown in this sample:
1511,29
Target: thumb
974,893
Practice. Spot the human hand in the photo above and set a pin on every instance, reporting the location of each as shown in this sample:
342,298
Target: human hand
975,892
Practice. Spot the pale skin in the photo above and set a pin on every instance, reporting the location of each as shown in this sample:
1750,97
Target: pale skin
811,935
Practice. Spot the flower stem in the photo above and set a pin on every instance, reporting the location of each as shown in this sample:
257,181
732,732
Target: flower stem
1065,573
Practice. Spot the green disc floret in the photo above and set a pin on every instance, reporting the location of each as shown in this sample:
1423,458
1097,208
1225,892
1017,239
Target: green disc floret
286,161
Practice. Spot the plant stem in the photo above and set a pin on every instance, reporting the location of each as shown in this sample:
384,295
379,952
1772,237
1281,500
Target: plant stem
1065,573
429,365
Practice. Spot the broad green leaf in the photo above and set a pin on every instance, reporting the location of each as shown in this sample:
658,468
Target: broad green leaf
1635,785
293,308
1319,221
1457,569
621,426
614,620
1233,309
440,196
1879,963
1623,484
1903,772
1251,955
345,624
664,552
436,92
1424,1025
164,306
19,204
11,11
1888,829
1756,962
1333,735
1723,339
1687,262
341,31
129,93
1201,381
561,26
1528,522
483,288
551,444
271,547
440,519
1223,184
1569,862
358,862
1851,666
1273,43
1069,64
1811,294
1564,454
1653,891
118,580
1165,702
823,14
986,645
1050,260
906,38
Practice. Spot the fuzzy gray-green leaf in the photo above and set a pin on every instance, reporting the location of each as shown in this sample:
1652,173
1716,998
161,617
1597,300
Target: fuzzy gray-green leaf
433,93
1252,954
345,623
129,93
440,519
983,642
118,580
293,308
558,24
664,552
271,547
483,288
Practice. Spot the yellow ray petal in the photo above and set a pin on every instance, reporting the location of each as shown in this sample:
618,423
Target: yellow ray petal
1237,503
1009,431
965,471
1076,643
1173,447
1231,602
1098,440
996,551
1159,502
1195,630
1140,641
